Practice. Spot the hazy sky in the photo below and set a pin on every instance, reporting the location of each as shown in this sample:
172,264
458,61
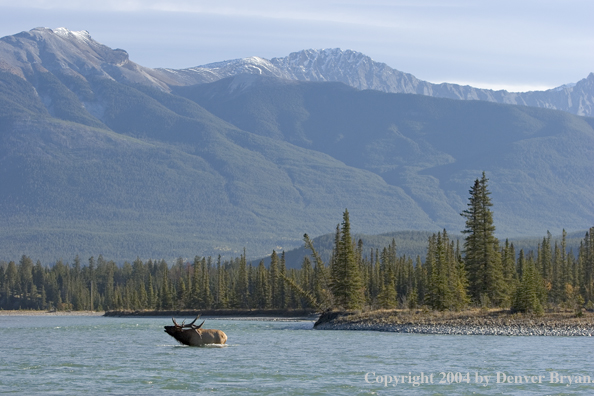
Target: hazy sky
511,44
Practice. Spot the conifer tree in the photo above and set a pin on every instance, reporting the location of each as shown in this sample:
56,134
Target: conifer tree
307,275
196,283
222,298
438,291
521,264
166,289
282,289
375,283
530,295
421,276
262,289
274,280
150,298
566,265
482,257
347,284
545,259
387,297
447,281
336,271
25,276
206,297
510,275
586,264
242,285
182,295
322,296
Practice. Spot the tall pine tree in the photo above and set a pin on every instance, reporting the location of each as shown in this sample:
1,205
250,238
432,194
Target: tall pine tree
347,283
482,258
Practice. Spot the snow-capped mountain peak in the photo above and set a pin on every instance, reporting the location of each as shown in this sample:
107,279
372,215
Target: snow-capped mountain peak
360,71
82,35
74,52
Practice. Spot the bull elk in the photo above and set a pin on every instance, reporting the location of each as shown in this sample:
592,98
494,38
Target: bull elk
193,335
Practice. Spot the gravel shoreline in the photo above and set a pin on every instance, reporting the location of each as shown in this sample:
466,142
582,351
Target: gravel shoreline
473,323
463,330
50,313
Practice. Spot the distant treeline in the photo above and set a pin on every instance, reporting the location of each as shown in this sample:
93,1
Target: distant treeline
480,273
558,278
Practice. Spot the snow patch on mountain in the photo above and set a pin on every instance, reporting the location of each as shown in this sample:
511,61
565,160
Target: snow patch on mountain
75,52
564,86
82,35
360,71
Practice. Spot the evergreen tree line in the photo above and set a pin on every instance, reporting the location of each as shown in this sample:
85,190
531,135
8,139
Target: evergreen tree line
352,280
155,285
452,277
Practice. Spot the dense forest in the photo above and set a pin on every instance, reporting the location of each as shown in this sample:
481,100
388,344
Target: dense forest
480,271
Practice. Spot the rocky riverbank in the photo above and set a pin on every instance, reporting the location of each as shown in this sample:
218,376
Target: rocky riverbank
478,322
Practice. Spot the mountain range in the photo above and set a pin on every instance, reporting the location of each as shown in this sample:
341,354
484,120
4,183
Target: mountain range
100,155
360,71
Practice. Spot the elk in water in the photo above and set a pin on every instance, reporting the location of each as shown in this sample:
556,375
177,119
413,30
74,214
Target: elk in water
193,335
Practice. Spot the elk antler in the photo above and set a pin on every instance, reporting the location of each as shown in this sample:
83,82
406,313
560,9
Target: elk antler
194,320
197,327
188,326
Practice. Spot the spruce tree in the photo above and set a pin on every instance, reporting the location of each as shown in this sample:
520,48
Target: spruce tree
262,290
387,297
222,299
282,289
336,271
195,288
166,292
274,280
447,280
321,290
307,275
530,295
242,284
482,258
347,283
206,297
510,275
586,267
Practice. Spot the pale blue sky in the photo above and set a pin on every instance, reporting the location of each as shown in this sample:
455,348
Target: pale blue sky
510,44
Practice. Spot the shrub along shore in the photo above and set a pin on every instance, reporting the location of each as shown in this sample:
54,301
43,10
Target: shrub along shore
470,322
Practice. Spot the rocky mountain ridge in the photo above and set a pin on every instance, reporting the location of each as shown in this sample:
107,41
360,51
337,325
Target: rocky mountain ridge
76,53
360,71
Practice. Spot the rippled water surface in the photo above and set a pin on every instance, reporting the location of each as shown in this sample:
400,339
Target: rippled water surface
99,355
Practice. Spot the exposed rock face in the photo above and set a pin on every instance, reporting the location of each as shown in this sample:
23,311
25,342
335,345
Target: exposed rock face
70,53
362,72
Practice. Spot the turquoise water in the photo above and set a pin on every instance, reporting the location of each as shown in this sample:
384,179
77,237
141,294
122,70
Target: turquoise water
69,355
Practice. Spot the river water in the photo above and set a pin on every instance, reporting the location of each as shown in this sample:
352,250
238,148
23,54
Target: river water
71,355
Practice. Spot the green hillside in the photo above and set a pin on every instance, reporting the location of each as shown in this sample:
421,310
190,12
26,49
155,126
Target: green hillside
91,166
538,161
162,184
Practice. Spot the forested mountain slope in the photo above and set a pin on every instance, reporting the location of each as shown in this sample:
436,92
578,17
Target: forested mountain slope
538,160
99,155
